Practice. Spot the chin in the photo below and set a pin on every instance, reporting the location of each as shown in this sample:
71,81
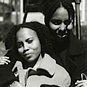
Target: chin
30,60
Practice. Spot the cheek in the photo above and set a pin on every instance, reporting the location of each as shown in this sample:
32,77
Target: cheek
38,51
53,27
20,50
70,26
37,48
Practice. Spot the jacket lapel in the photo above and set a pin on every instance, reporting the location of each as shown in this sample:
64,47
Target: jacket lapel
70,55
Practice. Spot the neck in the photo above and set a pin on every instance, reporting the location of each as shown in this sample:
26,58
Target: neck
61,45
31,64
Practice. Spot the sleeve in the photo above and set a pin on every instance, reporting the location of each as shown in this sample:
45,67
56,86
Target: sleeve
67,82
15,84
6,76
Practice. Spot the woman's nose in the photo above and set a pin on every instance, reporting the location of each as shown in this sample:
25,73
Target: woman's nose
26,48
62,27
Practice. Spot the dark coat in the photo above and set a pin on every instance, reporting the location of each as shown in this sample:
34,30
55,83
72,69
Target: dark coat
74,58
6,75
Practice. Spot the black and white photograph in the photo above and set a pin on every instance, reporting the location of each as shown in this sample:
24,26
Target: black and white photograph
43,43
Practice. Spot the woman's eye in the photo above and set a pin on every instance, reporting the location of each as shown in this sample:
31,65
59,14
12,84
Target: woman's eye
29,41
67,22
19,44
56,22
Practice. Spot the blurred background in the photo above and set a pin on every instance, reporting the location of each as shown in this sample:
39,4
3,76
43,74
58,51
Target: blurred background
17,11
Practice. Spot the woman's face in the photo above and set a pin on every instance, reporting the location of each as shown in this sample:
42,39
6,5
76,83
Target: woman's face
60,22
28,44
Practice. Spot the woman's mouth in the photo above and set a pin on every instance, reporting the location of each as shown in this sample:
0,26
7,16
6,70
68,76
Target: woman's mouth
61,36
27,56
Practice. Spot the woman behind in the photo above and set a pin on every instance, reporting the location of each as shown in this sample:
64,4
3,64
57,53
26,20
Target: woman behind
34,67
59,18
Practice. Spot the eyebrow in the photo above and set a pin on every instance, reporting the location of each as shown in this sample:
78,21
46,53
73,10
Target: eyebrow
19,41
25,40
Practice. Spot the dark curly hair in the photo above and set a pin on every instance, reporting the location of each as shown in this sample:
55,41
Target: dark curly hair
42,33
48,7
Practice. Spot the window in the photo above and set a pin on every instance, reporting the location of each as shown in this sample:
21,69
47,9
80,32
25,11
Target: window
82,10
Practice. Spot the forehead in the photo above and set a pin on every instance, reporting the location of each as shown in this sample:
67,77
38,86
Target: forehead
60,13
25,33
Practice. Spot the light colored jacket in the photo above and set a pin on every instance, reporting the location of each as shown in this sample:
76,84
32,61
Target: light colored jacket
59,76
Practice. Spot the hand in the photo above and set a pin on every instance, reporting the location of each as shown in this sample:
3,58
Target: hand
81,83
4,60
15,84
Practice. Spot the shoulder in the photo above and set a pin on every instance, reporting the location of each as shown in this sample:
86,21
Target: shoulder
61,71
83,45
83,42
54,66
62,76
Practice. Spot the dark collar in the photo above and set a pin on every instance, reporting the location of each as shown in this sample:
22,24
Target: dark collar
74,47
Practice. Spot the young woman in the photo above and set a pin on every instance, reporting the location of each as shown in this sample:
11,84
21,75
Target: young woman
29,59
59,18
